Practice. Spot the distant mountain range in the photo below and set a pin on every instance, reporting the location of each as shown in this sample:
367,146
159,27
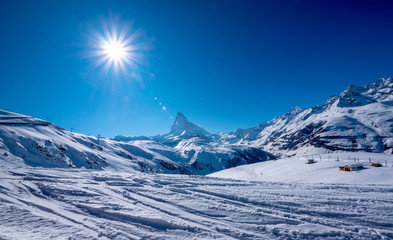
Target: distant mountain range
360,119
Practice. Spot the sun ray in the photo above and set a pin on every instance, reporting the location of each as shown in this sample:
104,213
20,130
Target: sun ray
116,48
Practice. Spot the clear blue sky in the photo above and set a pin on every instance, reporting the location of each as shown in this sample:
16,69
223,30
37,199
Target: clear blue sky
224,64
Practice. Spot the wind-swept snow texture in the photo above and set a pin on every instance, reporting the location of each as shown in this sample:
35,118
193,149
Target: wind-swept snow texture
42,203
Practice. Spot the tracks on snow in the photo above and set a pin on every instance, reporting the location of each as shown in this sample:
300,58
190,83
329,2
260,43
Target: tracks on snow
44,203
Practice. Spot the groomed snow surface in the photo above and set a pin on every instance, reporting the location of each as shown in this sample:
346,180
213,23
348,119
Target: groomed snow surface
324,170
39,203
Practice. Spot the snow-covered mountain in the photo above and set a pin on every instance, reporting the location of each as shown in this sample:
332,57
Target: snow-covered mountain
183,128
359,119
203,151
187,149
34,142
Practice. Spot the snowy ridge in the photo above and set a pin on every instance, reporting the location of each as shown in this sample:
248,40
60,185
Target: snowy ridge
381,91
10,118
29,141
25,140
360,119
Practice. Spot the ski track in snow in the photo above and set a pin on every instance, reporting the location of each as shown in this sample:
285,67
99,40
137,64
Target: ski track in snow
86,204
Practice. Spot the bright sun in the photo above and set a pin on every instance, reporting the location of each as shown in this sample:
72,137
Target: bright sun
117,50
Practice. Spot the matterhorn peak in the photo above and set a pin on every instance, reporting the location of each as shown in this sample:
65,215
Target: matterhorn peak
180,123
182,127
180,119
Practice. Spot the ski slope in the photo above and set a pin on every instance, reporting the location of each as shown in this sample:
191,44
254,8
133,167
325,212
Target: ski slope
325,170
42,203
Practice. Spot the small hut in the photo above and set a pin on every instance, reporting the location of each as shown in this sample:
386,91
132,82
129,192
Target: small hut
376,164
351,167
310,161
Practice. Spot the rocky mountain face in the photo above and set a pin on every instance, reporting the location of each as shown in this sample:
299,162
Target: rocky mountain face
183,128
359,119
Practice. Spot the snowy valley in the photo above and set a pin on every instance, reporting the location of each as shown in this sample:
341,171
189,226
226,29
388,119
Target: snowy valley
191,184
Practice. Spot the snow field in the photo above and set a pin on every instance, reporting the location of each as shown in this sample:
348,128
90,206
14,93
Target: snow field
40,203
325,170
